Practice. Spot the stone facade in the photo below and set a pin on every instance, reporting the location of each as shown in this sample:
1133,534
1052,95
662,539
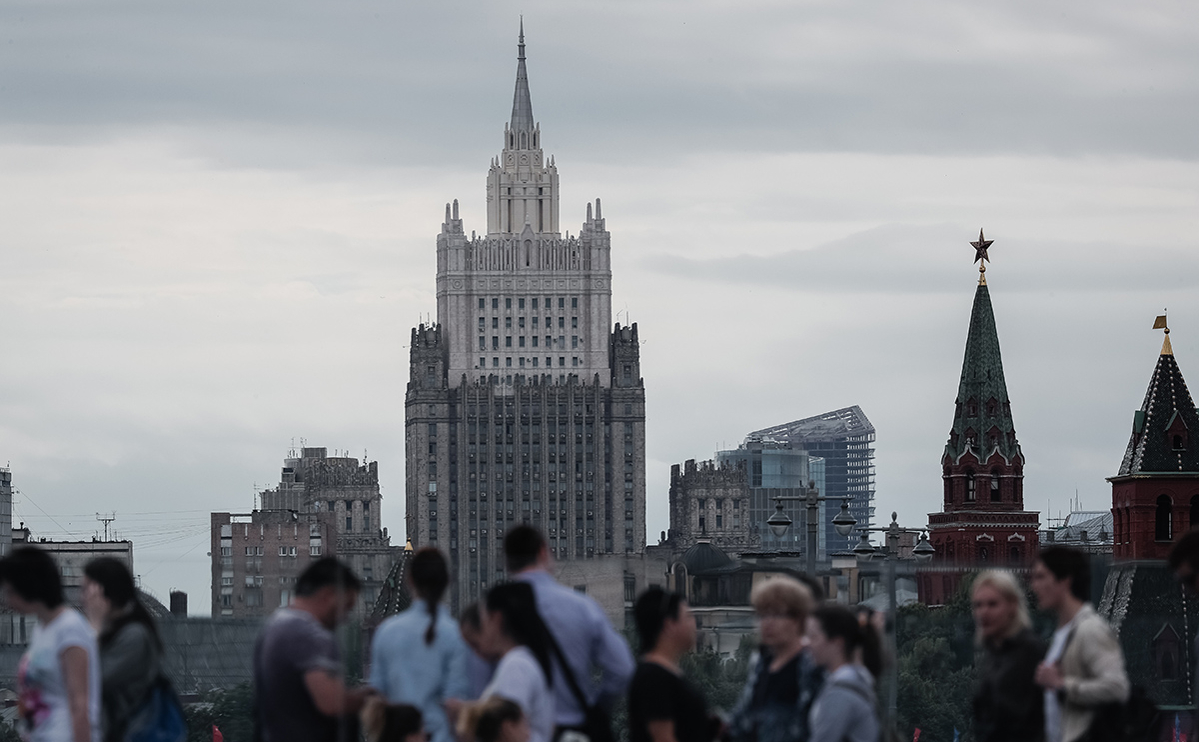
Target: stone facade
523,404
727,501
257,556
337,499
710,501
983,522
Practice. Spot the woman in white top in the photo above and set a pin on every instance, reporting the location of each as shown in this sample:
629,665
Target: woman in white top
58,679
513,632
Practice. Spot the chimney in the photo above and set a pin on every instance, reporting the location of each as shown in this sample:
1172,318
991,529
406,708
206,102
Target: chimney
178,604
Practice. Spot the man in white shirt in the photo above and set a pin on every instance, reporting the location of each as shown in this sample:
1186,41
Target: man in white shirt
1084,667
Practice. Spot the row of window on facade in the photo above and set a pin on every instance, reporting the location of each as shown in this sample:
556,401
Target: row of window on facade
972,486
533,362
530,342
546,302
1164,526
533,322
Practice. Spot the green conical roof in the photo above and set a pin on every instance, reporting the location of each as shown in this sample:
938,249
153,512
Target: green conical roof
982,420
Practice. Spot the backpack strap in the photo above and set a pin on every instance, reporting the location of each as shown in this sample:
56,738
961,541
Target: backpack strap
567,673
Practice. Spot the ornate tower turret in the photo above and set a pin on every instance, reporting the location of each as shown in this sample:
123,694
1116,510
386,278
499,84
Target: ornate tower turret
1155,496
983,522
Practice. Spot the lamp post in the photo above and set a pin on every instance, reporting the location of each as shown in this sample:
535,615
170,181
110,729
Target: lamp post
780,521
921,552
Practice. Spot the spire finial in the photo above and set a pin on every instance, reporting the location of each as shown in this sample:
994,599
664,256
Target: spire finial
981,257
1161,324
520,44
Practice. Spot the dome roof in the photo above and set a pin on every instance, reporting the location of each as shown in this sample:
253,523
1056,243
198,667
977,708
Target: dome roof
703,557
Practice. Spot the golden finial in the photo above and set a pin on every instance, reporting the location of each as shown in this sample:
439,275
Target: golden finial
408,546
1160,324
980,257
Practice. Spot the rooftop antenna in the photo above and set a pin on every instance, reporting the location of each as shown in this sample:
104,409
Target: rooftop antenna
106,519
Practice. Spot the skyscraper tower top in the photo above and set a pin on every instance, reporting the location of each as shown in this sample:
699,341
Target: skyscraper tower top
522,103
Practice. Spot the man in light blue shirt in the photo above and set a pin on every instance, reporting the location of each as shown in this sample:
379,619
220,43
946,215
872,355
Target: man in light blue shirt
579,626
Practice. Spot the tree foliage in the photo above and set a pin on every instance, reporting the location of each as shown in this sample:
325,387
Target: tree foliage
230,709
935,662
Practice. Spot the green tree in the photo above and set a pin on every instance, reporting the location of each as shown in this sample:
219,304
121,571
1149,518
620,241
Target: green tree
935,663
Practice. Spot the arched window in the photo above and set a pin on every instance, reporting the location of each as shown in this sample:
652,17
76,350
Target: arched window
1014,555
969,485
1163,522
1178,444
983,555
995,497
948,487
1194,512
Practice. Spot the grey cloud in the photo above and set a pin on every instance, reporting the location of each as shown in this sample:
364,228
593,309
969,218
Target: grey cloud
342,81
923,259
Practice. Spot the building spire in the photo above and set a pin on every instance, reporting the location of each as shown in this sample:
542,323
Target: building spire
982,421
522,104
1161,324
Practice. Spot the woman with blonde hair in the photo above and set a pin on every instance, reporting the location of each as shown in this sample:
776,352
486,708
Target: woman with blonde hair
783,678
1008,705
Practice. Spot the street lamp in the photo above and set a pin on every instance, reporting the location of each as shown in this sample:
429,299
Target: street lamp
921,552
843,522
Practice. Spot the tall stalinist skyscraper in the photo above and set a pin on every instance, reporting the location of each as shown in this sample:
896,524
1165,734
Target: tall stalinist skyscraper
524,404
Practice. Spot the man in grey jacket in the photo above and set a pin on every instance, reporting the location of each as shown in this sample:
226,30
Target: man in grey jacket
1184,560
1084,667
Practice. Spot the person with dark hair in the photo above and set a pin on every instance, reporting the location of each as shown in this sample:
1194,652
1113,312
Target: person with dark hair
663,706
58,678
514,633
586,639
385,722
1184,560
418,656
1084,667
493,720
299,691
130,649
846,709
1008,705
479,667
783,679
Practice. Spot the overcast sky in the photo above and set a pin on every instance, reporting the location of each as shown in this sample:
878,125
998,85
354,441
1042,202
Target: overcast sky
218,221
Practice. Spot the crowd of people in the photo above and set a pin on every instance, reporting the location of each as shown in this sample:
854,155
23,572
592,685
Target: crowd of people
535,661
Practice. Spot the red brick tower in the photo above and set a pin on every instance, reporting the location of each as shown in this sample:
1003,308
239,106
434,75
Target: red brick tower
1155,496
983,522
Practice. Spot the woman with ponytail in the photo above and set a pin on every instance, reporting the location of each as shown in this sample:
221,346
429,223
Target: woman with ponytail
130,649
846,709
417,656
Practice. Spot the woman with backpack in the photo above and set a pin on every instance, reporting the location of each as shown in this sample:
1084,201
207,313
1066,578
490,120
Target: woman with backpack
130,650
846,709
